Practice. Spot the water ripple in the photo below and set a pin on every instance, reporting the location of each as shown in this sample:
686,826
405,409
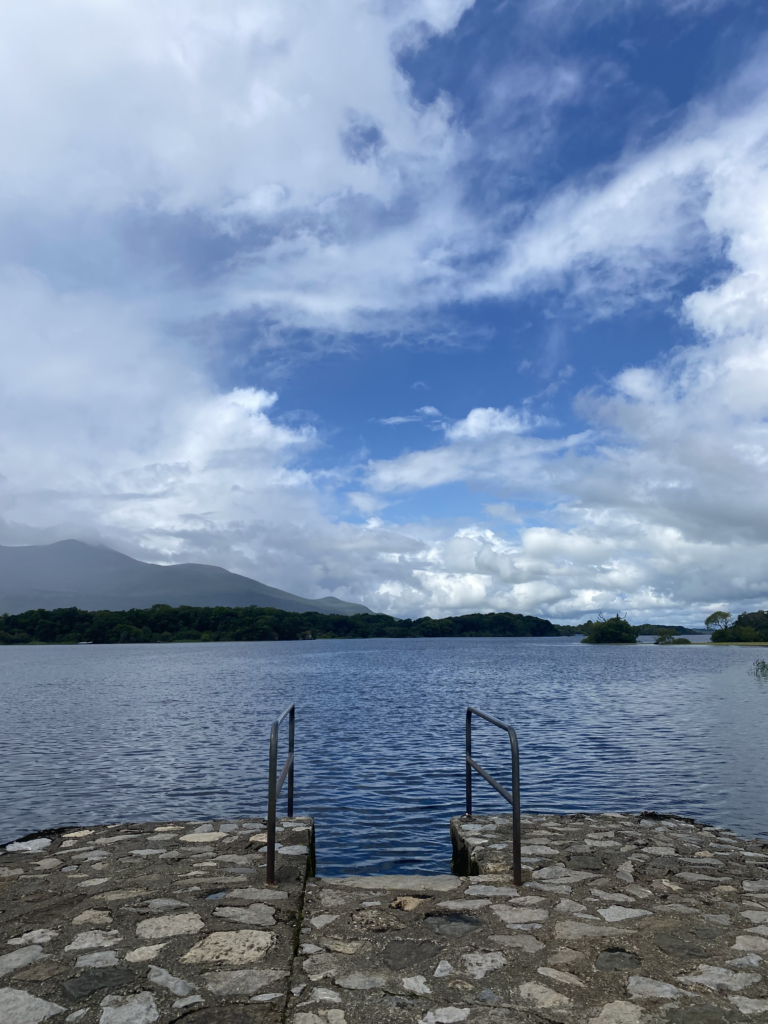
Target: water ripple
92,734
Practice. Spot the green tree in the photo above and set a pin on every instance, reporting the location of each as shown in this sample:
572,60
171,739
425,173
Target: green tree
615,630
717,620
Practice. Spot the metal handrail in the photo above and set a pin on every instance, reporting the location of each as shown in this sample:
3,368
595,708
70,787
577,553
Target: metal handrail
513,797
276,784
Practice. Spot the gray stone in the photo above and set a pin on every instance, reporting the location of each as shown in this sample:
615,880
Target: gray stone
446,1015
616,960
177,986
19,1007
320,966
103,958
38,935
240,947
241,983
648,988
561,890
322,920
693,876
512,916
677,945
461,904
402,954
408,883
164,904
543,997
621,913
525,942
749,943
720,978
750,960
585,862
181,1004
491,890
102,977
258,895
566,906
10,962
749,1007
144,953
169,925
93,940
619,1012
576,930
93,917
453,926
256,914
417,985
30,846
758,916
207,837
755,886
564,977
560,874
138,1009
359,981
477,965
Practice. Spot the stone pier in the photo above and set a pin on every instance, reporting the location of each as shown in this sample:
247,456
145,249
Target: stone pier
132,924
621,919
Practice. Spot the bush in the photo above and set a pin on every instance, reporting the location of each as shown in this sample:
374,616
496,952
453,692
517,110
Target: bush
611,631
668,638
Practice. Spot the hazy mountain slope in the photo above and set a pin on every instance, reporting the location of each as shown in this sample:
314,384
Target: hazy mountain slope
70,573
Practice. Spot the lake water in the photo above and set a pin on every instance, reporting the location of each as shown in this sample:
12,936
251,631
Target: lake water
131,733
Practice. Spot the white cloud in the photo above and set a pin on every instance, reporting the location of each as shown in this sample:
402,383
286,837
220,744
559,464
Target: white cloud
285,139
658,508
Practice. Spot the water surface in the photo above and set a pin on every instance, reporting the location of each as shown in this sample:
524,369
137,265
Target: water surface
138,732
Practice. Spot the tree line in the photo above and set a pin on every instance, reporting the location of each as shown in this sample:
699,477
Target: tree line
163,624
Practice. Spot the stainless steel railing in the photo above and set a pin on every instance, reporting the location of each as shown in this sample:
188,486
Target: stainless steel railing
276,784
513,797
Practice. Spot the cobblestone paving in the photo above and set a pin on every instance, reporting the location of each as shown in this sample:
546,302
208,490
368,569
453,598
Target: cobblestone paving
622,920
132,924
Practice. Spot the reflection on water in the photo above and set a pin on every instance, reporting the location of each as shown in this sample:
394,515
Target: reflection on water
99,734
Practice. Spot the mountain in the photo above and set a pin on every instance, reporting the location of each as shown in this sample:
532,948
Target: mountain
73,574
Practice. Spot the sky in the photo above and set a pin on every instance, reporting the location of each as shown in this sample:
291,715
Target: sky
438,306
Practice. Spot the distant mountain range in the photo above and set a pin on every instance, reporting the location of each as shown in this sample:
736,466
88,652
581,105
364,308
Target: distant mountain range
73,574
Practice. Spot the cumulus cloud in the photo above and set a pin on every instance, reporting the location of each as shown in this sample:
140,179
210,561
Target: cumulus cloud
657,508
171,165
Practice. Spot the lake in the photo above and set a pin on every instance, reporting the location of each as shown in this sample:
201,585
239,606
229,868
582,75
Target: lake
138,732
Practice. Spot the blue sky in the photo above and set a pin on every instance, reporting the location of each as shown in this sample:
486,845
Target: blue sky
440,306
